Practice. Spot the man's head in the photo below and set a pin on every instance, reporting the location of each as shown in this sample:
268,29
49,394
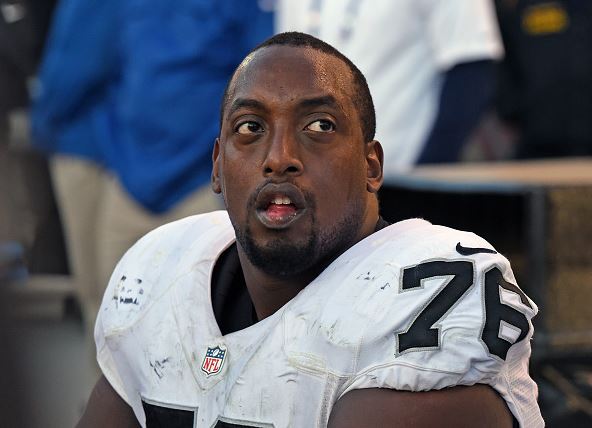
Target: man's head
295,160
362,98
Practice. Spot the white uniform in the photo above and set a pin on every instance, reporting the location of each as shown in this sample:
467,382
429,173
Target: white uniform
401,309
402,47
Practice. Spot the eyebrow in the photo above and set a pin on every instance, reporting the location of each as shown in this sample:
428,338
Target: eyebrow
325,100
245,102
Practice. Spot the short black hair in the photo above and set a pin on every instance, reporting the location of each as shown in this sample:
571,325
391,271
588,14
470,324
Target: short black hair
362,98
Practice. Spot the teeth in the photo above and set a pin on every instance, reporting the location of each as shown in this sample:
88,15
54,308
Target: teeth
279,200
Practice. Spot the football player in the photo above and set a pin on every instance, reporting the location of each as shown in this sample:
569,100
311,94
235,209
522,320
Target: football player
299,306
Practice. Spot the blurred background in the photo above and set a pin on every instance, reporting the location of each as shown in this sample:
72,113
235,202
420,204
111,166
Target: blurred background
108,112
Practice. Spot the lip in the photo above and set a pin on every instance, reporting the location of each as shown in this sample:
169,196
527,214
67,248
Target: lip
268,193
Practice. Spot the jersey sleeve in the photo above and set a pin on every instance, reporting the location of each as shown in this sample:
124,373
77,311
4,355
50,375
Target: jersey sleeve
454,316
119,309
140,283
107,362
131,291
461,31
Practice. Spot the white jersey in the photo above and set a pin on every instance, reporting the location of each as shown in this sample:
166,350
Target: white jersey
402,47
401,309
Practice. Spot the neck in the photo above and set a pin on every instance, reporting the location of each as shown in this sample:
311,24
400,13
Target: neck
269,293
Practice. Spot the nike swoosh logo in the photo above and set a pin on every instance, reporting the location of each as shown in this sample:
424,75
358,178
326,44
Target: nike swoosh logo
469,251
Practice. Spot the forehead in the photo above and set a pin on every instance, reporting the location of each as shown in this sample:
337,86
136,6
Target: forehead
288,73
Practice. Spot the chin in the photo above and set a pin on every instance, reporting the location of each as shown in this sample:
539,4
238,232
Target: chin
281,258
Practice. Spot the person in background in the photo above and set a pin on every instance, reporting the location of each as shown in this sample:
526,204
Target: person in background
127,105
430,64
17,61
27,220
545,91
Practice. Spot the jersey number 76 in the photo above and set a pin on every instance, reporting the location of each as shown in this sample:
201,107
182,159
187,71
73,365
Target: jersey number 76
422,334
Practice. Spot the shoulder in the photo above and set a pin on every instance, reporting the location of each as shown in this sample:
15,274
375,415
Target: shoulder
419,314
182,233
152,266
418,307
138,318
415,241
168,244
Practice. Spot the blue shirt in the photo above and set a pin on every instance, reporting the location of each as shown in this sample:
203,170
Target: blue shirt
136,86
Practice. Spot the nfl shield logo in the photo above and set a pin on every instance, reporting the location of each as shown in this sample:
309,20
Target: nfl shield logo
213,361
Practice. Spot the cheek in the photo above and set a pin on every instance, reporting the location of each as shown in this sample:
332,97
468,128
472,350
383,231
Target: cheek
350,174
241,161
341,182
237,175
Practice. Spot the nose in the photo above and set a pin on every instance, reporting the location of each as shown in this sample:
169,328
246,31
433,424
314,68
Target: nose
283,155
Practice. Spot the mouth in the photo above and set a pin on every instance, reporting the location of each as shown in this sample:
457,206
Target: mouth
279,205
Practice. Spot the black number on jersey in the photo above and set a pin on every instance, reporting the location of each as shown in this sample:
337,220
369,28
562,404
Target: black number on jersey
161,416
422,334
224,424
497,312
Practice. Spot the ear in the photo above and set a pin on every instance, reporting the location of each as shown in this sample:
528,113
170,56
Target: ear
374,162
216,184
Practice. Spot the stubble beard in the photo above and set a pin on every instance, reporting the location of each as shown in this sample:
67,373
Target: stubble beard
283,258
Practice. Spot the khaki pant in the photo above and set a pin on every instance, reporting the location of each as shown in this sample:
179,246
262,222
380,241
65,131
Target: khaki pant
101,221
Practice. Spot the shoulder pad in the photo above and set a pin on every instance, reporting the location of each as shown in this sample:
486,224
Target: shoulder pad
155,263
407,300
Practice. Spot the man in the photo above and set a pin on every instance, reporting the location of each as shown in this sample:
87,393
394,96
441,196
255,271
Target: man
300,306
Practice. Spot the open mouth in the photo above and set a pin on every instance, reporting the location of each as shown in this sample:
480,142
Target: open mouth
278,205
280,209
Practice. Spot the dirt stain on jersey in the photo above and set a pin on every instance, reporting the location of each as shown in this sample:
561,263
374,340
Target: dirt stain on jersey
159,366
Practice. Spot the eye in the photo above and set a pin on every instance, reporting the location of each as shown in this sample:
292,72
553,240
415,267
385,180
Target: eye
321,125
250,127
